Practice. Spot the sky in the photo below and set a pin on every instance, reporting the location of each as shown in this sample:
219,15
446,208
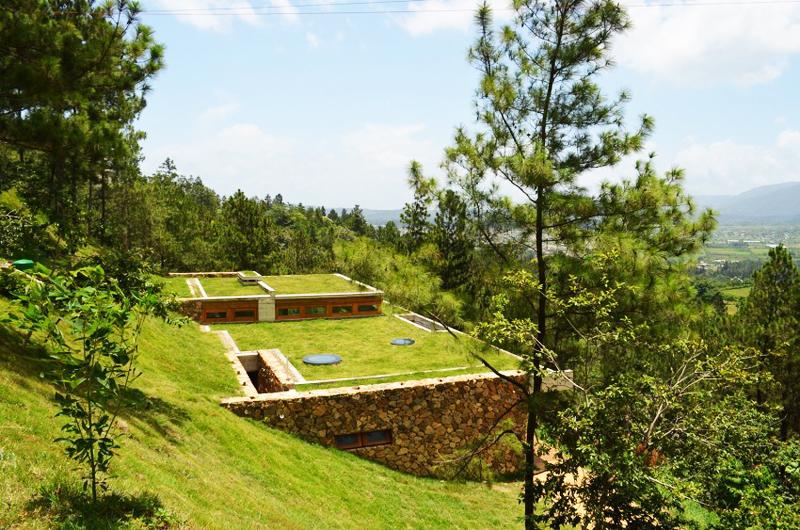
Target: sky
330,108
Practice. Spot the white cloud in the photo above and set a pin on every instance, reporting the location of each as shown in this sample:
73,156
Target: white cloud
312,40
285,7
217,112
365,165
386,146
434,15
232,154
727,167
219,15
680,44
701,45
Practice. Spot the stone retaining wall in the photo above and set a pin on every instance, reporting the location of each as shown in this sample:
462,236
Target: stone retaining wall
432,421
273,376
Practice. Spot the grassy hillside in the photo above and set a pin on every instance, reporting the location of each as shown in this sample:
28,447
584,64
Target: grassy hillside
209,468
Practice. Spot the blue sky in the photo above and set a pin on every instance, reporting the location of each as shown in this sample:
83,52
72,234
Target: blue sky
329,109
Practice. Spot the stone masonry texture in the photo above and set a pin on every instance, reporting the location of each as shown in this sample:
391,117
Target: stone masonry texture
432,421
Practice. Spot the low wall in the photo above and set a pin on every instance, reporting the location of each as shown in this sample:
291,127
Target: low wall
220,274
431,421
273,374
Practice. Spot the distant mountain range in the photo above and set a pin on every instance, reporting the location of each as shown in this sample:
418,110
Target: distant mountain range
381,217
775,204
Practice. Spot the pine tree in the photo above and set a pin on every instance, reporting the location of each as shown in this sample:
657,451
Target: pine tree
770,322
414,217
73,76
544,122
451,237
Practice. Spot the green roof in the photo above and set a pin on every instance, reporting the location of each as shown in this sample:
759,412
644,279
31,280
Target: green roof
311,283
366,350
176,285
287,284
229,286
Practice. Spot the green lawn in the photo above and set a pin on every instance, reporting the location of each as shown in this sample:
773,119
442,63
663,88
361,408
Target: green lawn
212,469
377,380
737,292
735,253
176,285
229,286
364,344
311,283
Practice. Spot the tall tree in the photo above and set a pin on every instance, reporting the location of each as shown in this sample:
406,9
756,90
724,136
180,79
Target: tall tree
73,75
388,234
544,123
770,322
355,221
414,217
450,234
247,236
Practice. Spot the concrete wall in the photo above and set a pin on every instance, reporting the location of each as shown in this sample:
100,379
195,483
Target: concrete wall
432,421
218,274
266,309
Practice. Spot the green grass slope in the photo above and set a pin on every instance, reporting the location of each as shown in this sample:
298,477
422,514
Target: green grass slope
212,469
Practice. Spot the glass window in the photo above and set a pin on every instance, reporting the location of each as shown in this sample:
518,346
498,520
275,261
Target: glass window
244,313
216,314
318,310
377,438
347,441
367,308
288,311
342,309
363,439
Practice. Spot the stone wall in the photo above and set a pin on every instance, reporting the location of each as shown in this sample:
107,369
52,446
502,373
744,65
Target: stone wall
432,421
192,308
219,274
273,375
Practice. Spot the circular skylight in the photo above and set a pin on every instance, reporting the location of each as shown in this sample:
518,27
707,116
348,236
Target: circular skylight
322,359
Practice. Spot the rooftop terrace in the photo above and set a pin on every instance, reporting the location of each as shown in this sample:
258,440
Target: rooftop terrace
366,350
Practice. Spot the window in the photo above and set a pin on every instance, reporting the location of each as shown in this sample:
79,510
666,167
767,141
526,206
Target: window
288,311
317,310
348,441
377,438
342,309
244,313
363,439
216,314
367,308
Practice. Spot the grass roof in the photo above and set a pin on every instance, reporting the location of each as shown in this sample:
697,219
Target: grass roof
312,283
176,285
288,284
366,350
229,286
